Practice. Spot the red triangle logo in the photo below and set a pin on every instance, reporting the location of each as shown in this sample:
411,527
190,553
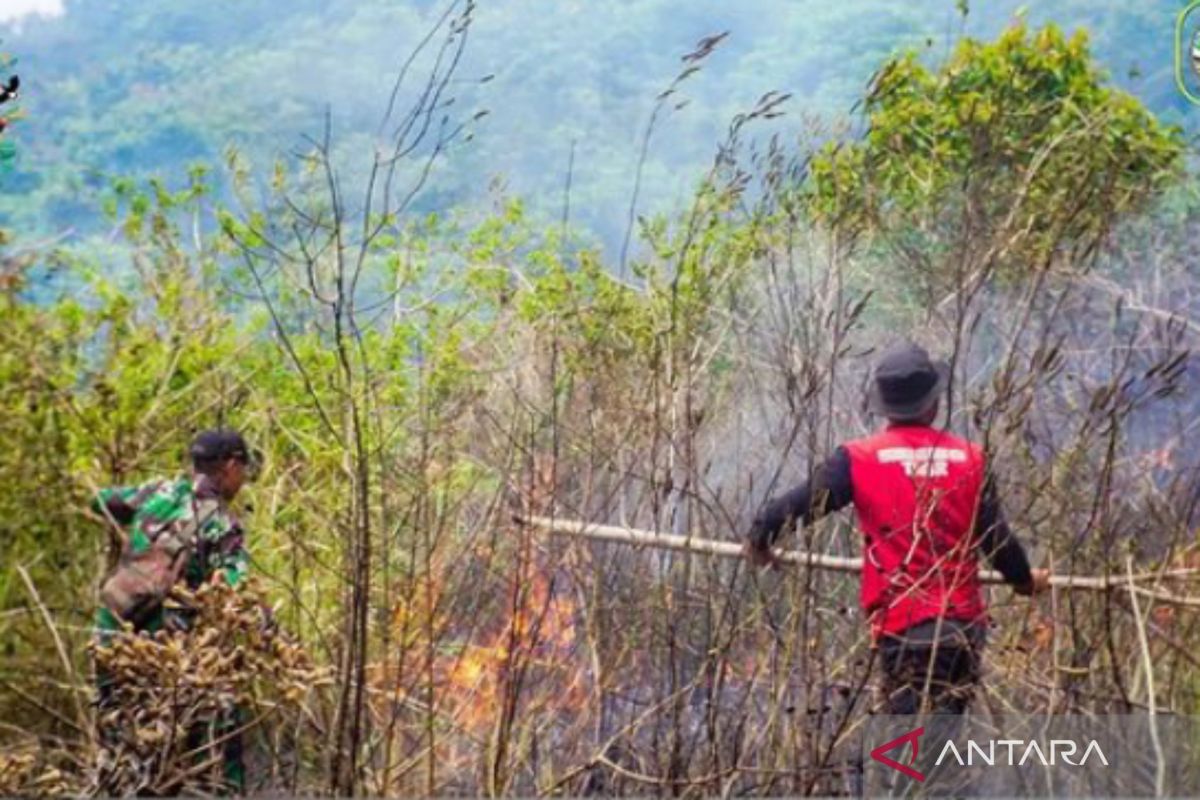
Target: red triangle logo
912,736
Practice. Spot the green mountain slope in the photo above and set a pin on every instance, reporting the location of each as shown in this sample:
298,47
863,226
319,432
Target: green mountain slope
140,87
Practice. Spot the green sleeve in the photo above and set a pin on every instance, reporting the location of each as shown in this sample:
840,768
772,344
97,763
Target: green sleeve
234,565
233,560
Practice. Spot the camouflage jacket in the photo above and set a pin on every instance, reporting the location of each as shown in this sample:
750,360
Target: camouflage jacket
143,511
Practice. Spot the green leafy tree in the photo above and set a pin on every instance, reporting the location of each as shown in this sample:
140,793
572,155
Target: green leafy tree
1010,154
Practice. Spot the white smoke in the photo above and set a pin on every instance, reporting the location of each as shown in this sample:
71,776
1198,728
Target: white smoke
15,10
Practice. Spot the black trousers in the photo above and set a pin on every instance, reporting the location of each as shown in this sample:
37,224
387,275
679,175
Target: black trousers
932,667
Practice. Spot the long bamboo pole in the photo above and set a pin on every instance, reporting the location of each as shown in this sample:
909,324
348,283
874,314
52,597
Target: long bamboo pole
712,547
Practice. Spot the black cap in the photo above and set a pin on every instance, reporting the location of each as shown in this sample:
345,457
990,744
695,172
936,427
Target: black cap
220,444
907,383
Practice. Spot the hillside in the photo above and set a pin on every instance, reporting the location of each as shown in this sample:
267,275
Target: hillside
339,469
132,88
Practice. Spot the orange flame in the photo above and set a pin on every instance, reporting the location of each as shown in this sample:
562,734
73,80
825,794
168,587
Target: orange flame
525,657
539,638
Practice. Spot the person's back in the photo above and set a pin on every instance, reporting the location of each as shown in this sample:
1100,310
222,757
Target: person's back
145,513
916,492
927,510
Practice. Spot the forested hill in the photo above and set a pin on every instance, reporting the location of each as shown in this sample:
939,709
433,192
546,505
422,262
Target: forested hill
429,394
120,87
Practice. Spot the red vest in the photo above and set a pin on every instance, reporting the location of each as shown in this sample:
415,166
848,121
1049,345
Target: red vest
916,494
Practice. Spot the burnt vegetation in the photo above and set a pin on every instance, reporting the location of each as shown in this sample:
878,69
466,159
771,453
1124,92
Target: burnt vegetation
417,381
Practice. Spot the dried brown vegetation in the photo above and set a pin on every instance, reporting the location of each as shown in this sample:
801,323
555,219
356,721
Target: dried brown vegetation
415,383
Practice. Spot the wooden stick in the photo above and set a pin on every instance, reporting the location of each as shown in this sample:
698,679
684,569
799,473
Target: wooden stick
693,544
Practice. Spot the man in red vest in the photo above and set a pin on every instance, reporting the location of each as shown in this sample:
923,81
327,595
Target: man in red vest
927,509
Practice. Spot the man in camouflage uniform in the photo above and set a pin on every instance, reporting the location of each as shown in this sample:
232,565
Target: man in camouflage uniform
221,465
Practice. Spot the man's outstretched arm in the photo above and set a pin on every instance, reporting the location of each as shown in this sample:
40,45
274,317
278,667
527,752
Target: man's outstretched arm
1001,547
828,490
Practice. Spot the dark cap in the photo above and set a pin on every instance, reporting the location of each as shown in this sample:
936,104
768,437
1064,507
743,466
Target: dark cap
907,383
220,444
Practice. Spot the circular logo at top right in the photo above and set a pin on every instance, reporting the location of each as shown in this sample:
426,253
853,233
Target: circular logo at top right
1187,51
1195,53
